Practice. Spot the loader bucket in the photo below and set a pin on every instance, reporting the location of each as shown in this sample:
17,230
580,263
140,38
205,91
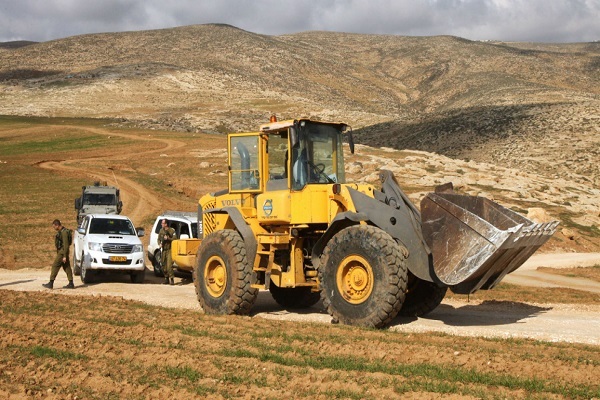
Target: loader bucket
475,242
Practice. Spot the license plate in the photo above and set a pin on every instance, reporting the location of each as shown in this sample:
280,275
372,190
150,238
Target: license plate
117,258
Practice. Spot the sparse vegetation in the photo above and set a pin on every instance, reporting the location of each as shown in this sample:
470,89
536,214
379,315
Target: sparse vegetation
342,362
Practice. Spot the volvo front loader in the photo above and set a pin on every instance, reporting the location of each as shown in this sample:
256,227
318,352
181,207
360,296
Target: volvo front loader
291,224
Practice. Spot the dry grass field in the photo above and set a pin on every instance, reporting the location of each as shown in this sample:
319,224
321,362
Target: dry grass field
68,347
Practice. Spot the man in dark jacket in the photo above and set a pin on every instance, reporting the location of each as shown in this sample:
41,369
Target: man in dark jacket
61,242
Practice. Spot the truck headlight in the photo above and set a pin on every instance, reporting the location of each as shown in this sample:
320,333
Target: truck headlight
137,248
95,246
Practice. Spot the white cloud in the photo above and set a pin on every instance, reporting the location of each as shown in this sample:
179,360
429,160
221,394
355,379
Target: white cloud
519,20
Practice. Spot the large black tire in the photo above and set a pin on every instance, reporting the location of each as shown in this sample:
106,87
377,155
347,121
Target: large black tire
138,276
77,264
156,264
298,297
87,275
223,275
363,276
422,297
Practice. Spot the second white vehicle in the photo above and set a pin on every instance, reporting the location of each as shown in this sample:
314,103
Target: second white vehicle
186,226
108,243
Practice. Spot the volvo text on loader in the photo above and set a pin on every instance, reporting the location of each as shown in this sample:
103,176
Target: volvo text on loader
291,224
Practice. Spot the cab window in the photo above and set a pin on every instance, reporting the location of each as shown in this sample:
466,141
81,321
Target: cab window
244,162
317,157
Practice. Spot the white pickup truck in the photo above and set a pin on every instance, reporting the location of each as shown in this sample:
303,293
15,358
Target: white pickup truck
108,243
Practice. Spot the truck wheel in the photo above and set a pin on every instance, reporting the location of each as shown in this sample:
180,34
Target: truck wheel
223,275
363,276
156,265
298,297
87,275
422,297
138,276
77,264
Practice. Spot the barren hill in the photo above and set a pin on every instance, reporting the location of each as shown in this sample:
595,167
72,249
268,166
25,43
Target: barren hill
529,107
197,71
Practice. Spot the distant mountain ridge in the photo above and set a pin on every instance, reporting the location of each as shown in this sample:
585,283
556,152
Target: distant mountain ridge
15,44
487,101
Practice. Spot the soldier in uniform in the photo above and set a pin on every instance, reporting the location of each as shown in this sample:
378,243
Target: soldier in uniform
61,241
165,237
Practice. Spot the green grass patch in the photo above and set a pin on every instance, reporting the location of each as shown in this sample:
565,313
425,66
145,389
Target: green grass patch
66,142
189,331
437,374
114,322
61,355
15,121
186,372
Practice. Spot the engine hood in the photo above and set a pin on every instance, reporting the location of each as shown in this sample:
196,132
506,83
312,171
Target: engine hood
113,238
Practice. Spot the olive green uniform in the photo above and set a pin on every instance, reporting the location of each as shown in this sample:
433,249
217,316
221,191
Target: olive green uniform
61,241
165,245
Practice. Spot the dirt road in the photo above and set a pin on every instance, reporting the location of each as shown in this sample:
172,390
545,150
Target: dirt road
137,200
549,322
528,275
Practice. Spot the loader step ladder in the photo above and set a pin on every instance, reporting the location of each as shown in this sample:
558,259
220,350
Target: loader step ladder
268,243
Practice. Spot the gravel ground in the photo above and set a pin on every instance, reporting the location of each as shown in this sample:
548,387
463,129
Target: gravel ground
550,322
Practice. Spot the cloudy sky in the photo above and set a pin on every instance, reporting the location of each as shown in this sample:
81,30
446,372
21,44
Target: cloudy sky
509,20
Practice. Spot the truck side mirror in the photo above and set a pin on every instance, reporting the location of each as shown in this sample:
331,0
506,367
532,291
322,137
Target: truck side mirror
78,203
81,231
140,232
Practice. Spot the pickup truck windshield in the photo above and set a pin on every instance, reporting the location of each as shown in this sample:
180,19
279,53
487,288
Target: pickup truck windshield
110,225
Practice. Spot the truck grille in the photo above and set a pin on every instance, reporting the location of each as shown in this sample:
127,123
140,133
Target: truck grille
117,248
108,262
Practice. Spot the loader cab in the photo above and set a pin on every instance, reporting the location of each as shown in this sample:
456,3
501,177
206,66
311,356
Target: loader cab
304,152
317,156
286,155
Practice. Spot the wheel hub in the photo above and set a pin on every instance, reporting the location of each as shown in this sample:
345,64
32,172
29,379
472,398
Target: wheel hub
215,276
355,279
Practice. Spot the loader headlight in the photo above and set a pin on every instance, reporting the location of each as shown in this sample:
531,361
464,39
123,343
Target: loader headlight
337,188
95,246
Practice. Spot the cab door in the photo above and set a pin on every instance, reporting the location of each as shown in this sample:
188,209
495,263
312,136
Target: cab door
245,163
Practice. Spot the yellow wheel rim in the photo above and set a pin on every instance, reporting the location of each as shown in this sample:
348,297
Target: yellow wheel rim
355,279
215,276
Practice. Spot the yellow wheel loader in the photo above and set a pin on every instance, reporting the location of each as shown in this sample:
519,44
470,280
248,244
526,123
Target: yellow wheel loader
291,224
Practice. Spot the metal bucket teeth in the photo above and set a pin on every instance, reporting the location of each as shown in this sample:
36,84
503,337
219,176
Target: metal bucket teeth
476,242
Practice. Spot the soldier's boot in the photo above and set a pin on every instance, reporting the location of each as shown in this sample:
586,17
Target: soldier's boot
172,281
48,285
166,282
69,286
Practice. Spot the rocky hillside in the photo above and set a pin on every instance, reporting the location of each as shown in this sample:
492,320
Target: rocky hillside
520,106
216,75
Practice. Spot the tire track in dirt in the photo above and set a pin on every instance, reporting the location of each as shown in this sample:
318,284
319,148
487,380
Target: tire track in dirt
138,201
